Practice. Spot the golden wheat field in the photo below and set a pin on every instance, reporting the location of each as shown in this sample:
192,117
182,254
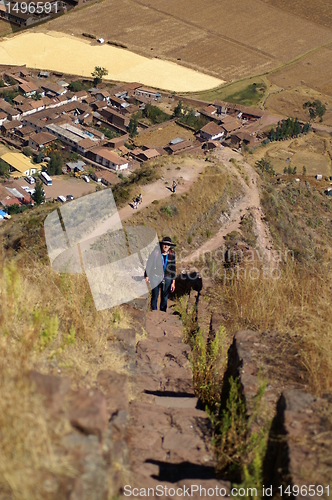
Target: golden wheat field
73,55
229,38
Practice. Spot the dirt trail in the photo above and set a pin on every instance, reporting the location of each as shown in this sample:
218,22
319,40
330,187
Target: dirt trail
188,174
159,190
249,201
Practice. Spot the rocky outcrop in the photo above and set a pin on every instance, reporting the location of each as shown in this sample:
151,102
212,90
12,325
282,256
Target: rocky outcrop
299,444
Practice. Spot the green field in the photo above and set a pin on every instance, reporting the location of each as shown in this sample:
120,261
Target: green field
248,92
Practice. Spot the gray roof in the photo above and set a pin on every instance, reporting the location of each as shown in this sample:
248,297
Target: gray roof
176,141
15,192
79,164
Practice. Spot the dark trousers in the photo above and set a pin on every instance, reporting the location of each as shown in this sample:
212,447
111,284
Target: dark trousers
164,288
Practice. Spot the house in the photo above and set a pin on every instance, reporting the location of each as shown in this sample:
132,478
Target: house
98,105
107,158
71,135
213,145
28,88
75,166
211,132
7,127
209,110
97,175
63,83
101,95
23,134
148,154
126,90
179,147
19,99
239,138
12,113
41,140
114,118
117,141
19,164
81,94
230,124
108,178
147,93
53,88
84,145
177,140
3,118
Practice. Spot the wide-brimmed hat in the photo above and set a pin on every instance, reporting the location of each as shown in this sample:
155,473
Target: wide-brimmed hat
167,241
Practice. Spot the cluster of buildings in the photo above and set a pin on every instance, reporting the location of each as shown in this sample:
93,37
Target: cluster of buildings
44,113
232,124
25,13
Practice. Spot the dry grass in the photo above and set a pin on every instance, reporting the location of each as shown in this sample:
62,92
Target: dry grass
163,135
296,305
314,151
6,28
47,322
188,218
30,441
290,103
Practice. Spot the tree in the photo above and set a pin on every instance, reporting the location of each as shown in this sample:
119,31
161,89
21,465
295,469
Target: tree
16,209
27,151
294,170
178,110
315,108
38,196
75,86
4,169
98,74
55,164
132,127
155,114
304,170
288,128
265,166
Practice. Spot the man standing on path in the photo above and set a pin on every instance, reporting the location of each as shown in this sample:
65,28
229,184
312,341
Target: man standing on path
160,272
174,186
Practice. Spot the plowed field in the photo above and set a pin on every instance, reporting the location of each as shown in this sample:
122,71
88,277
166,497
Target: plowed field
230,39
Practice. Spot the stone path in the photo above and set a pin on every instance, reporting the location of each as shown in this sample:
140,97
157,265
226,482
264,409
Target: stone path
168,435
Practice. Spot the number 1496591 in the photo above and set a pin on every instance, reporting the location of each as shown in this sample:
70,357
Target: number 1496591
32,7
317,490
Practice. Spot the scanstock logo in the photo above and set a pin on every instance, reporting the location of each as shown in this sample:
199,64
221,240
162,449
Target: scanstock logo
86,236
